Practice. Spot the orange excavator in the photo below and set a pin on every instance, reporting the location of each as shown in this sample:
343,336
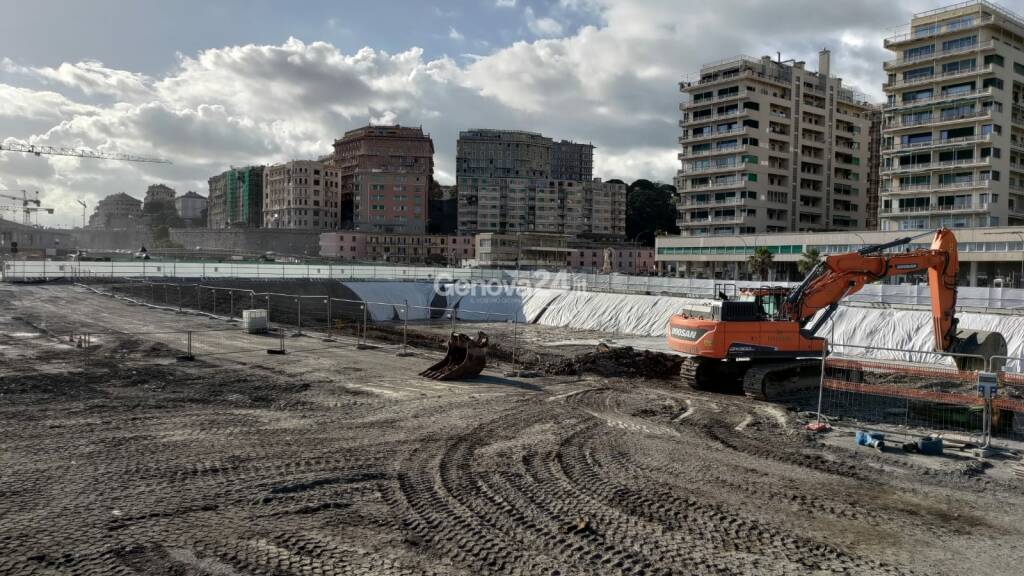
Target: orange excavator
764,343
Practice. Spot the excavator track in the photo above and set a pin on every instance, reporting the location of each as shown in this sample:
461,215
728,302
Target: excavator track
694,373
776,380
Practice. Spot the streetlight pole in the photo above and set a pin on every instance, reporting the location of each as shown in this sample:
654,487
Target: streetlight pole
746,247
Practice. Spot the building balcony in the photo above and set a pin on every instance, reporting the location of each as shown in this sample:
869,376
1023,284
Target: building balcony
936,187
725,185
711,220
685,171
900,62
943,77
697,137
935,209
942,98
683,106
916,35
938,143
929,166
734,167
938,120
693,121
691,204
735,150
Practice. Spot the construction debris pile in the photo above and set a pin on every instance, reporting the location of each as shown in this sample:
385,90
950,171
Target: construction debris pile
618,362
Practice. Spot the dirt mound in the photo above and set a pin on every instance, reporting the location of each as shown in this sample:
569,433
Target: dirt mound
617,362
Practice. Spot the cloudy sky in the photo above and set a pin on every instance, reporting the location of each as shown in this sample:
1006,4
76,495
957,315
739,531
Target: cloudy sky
209,84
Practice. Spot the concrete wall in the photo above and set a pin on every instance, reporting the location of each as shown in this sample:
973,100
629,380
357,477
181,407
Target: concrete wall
109,239
290,242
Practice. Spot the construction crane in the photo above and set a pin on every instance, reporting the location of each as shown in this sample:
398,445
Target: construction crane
78,153
82,202
26,208
27,212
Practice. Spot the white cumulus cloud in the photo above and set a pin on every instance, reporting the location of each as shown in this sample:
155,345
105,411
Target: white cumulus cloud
614,84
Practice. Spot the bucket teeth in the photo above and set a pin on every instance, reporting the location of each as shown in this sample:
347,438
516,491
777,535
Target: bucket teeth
466,358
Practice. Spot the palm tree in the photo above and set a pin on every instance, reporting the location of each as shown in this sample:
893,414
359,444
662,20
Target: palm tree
760,262
808,260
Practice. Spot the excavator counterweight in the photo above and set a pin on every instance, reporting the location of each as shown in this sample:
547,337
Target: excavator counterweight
778,328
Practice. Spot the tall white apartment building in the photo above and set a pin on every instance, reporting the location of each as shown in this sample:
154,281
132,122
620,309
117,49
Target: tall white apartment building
301,194
953,130
507,183
770,146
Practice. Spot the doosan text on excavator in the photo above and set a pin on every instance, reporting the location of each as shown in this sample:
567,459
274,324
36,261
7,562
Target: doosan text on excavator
764,341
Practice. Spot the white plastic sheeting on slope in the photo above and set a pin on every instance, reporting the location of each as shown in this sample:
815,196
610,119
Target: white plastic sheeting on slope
639,315
618,313
387,298
502,303
912,330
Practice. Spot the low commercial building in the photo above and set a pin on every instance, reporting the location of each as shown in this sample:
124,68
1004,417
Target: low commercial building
301,194
433,249
117,211
988,256
521,250
611,259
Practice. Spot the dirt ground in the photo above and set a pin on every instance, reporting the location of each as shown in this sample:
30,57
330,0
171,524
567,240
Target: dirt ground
116,458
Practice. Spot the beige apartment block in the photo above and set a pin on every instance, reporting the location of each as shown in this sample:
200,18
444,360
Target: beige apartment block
770,146
301,194
953,130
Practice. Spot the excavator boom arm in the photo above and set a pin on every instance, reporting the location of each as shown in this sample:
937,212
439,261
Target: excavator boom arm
841,275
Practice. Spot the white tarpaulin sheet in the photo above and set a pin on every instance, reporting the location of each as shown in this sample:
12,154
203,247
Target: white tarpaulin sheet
388,298
912,330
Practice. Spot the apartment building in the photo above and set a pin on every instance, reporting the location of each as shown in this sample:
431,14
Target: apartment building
953,131
499,170
433,249
507,182
190,207
301,194
159,193
117,211
572,161
770,146
385,174
236,198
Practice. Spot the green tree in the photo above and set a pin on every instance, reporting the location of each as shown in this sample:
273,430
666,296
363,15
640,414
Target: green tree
760,262
650,211
808,260
161,213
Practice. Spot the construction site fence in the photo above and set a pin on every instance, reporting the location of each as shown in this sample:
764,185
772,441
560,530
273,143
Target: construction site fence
325,315
989,298
966,399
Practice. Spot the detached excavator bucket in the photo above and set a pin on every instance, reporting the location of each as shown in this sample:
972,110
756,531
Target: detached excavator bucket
466,358
980,343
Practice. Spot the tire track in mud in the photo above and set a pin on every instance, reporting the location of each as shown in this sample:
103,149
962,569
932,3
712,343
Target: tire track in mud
500,521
